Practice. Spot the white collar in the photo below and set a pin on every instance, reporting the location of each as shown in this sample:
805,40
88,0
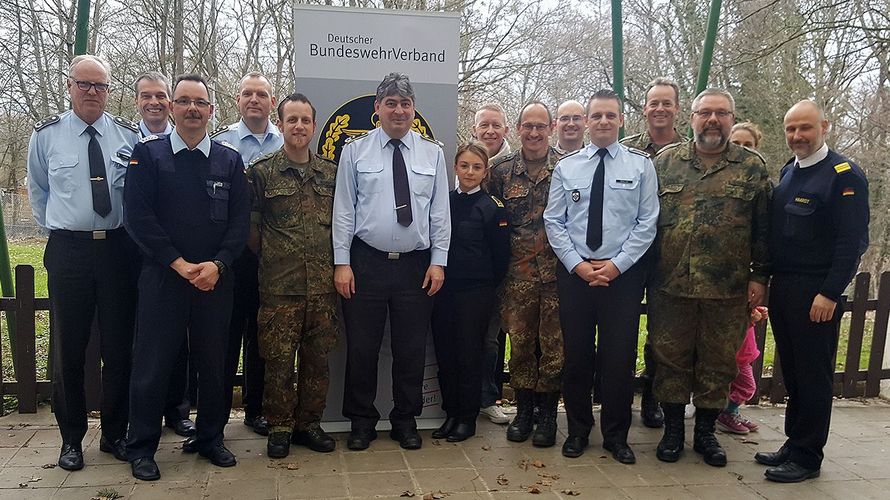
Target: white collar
814,158
474,190
178,144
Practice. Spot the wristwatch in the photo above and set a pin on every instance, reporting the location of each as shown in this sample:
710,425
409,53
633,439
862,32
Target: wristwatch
221,266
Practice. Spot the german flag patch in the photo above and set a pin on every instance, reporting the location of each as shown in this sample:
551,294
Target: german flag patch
502,223
848,192
842,167
134,162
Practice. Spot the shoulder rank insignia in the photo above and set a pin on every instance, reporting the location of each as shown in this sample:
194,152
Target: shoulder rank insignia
353,138
503,159
639,152
219,130
258,159
497,201
49,120
228,145
629,138
430,139
149,138
842,167
127,124
563,157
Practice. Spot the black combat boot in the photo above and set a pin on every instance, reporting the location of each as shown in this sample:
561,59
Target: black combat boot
545,433
521,426
671,445
278,444
704,441
650,410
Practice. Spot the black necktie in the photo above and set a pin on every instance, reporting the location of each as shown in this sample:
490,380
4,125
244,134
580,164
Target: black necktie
400,185
595,209
101,197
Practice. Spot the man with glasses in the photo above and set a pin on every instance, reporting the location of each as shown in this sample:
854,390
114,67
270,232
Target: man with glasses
77,161
660,111
254,135
571,120
187,206
711,267
529,308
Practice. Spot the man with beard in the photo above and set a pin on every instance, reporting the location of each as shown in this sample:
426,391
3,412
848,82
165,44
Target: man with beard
711,267
571,120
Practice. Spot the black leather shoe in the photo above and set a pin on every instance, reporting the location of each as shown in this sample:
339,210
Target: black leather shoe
220,456
190,445
574,446
621,452
71,457
790,472
360,439
650,410
773,458
258,424
408,439
445,429
145,469
184,427
464,430
314,438
117,447
278,445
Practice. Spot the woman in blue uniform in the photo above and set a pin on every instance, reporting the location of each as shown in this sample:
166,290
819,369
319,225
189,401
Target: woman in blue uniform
477,262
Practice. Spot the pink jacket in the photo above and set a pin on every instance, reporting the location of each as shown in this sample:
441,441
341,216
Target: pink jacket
748,353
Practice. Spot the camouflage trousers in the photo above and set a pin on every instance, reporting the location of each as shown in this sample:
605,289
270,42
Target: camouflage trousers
695,342
301,328
530,316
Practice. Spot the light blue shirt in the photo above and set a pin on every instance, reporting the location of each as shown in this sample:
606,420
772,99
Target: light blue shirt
59,172
364,200
144,132
251,148
177,144
630,207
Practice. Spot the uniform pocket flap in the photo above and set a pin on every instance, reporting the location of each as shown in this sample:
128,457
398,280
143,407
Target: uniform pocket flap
63,161
670,189
577,183
624,183
218,190
279,191
323,190
740,191
423,169
367,167
799,209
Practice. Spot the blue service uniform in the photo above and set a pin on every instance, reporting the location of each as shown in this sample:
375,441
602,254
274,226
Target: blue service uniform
629,216
246,302
192,204
818,232
144,132
89,261
389,262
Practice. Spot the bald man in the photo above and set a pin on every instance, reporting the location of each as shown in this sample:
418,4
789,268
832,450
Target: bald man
819,230
571,120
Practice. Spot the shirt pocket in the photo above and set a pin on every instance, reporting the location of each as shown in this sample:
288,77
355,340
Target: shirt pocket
800,221
737,203
219,200
369,177
423,180
624,184
669,199
62,174
278,207
324,203
516,199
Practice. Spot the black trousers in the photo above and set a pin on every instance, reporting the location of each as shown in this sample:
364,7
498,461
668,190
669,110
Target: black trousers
460,325
243,328
600,326
806,353
87,277
178,405
172,310
384,286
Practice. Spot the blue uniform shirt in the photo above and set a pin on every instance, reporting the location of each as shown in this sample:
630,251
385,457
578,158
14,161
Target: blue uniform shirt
59,171
630,206
238,135
364,202
144,132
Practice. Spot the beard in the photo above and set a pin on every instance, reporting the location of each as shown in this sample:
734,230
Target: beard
711,142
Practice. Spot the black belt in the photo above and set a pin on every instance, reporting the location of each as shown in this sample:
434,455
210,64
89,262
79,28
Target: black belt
102,234
359,243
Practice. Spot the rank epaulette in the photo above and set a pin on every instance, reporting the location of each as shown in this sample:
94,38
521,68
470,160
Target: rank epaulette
149,138
260,159
504,159
127,124
219,130
49,120
671,146
842,167
430,139
497,201
352,138
751,150
228,145
630,138
639,152
563,157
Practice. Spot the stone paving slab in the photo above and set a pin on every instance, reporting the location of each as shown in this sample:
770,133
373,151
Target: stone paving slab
484,467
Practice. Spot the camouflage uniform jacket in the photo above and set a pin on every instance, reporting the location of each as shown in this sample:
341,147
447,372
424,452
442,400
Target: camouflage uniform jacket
293,214
531,257
643,142
713,226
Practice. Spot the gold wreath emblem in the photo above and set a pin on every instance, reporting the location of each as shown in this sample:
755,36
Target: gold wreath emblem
332,135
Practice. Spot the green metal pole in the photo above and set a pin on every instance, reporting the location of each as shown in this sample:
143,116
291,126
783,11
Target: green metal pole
708,52
83,27
618,55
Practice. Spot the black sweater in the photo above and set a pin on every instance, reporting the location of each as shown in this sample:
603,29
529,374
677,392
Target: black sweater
480,242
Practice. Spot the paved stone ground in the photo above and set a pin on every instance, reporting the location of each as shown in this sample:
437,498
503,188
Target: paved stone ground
486,466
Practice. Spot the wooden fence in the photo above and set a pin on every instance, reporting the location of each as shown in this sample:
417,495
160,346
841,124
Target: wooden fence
854,381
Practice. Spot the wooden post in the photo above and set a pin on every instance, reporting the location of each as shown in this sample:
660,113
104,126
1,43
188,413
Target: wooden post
854,339
26,375
879,338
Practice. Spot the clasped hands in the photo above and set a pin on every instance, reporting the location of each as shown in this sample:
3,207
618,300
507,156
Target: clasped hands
202,275
597,272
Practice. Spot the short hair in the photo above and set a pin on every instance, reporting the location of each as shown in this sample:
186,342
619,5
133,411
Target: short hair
713,91
605,94
153,76
667,82
101,61
751,128
532,103
395,84
474,147
191,77
490,106
295,97
254,74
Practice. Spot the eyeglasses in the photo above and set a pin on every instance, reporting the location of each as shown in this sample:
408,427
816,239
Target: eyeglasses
528,127
185,102
570,118
86,86
721,114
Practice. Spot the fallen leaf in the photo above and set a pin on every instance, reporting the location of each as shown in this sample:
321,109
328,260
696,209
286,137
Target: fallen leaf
545,482
48,466
486,447
23,485
34,479
571,493
538,464
748,441
535,489
407,493
549,476
436,442
292,466
502,480
523,464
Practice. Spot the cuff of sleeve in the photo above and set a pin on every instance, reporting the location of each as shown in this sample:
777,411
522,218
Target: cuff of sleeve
623,262
341,256
439,257
832,294
226,257
571,261
167,255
